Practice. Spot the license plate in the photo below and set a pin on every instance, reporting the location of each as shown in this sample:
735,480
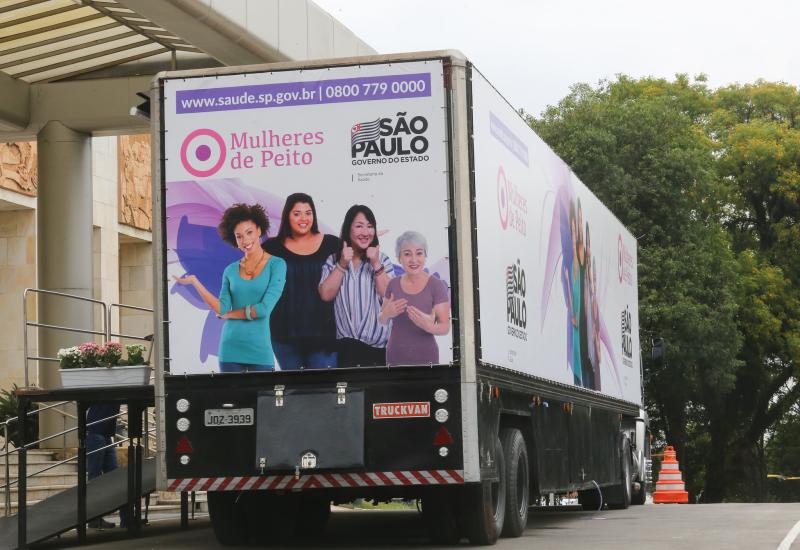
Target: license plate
229,417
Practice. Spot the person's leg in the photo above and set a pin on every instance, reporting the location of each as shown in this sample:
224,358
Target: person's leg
347,352
373,357
289,356
322,359
252,367
95,466
94,460
354,353
109,456
229,366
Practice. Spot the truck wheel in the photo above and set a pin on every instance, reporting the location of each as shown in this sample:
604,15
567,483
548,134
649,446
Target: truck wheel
639,497
517,482
483,507
590,499
313,516
440,515
271,518
227,518
619,496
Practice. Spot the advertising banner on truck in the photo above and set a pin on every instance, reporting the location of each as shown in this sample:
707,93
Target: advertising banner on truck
307,219
557,270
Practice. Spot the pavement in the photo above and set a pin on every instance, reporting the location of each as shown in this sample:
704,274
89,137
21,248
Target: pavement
654,527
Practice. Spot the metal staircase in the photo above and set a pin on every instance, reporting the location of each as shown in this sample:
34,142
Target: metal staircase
50,484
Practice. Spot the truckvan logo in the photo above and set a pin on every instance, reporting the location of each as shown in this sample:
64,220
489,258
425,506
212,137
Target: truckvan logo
203,152
516,308
512,206
414,409
389,140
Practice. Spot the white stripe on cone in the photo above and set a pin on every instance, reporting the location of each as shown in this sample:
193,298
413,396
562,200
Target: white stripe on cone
669,486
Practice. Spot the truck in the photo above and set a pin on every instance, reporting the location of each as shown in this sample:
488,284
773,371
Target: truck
530,383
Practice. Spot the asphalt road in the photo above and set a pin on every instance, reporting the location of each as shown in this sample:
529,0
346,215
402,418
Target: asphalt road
651,527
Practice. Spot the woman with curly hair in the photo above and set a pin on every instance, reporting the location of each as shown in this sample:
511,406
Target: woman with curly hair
250,289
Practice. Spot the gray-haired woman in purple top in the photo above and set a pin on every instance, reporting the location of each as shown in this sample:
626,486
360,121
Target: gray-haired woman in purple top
417,305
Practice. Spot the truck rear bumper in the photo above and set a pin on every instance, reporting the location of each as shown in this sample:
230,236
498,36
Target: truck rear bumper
288,482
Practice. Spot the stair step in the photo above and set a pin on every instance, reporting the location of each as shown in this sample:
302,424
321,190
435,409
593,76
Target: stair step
34,456
40,493
66,468
51,477
14,506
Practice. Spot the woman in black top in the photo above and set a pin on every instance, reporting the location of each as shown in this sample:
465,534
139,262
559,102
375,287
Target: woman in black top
302,325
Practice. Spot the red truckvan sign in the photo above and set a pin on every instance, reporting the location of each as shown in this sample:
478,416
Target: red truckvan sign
420,409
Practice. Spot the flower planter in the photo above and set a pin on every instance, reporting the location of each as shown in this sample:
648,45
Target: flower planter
136,375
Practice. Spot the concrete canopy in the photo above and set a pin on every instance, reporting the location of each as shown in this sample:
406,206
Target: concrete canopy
82,61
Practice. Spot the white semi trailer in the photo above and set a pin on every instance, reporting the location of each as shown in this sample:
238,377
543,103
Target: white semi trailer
530,383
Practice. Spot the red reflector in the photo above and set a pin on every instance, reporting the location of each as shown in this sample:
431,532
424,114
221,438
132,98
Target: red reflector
443,437
183,445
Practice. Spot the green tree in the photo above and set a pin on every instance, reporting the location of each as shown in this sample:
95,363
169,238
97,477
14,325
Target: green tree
758,145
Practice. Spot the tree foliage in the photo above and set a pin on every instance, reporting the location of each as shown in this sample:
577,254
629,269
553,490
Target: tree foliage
708,181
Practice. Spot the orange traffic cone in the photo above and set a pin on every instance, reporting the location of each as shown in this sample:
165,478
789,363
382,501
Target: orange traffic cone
670,487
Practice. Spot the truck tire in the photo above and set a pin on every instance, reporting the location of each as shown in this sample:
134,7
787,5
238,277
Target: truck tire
590,499
483,506
271,518
639,497
619,496
227,518
440,515
517,482
313,516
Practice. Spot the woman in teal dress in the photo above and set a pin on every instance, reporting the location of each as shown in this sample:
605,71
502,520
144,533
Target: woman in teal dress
574,284
250,289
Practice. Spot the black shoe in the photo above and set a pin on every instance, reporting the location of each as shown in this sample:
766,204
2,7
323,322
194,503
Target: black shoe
100,523
124,524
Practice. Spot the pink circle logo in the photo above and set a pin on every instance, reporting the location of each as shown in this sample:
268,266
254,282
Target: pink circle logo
502,197
203,153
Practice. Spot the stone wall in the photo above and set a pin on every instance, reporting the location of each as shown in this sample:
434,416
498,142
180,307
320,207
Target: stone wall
18,171
136,288
17,272
135,189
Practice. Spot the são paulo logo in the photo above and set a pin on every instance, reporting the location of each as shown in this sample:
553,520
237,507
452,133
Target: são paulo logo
203,152
390,140
516,308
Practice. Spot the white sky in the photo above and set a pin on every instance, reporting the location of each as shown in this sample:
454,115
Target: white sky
533,51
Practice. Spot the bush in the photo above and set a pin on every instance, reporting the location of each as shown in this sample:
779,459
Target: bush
9,408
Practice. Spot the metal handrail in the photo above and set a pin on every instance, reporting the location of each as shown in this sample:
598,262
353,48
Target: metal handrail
6,454
28,291
106,334
111,334
70,459
8,484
